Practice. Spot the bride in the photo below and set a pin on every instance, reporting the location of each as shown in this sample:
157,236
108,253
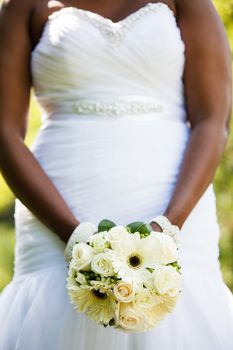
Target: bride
135,101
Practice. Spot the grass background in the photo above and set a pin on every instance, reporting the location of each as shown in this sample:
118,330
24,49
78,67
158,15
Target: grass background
223,184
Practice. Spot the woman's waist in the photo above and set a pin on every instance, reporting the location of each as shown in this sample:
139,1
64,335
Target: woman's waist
111,154
116,137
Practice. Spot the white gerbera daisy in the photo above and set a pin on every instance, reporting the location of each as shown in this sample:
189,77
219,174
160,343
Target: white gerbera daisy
131,259
98,306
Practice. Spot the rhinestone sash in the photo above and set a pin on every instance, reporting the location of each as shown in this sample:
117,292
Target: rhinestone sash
116,107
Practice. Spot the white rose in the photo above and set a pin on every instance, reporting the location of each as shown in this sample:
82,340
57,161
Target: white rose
116,235
84,231
82,254
80,234
124,292
165,249
167,280
102,264
99,241
131,318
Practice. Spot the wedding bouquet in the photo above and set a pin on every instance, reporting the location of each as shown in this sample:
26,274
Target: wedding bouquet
127,277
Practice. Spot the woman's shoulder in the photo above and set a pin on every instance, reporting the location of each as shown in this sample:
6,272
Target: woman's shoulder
16,6
198,9
23,8
200,22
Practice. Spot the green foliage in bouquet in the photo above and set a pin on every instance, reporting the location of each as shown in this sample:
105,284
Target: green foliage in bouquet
137,226
105,225
141,227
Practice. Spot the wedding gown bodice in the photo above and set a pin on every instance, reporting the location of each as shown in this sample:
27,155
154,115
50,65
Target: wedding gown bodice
129,66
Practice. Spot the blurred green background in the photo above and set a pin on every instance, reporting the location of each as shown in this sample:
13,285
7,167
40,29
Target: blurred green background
223,185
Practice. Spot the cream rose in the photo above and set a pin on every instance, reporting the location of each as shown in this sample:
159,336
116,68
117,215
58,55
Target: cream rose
167,280
129,318
82,255
124,292
99,241
164,247
102,264
116,235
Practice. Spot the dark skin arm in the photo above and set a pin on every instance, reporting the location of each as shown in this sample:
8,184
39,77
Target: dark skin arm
20,169
208,90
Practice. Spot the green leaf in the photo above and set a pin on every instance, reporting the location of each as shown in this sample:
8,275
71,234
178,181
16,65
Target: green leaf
105,225
150,269
128,229
134,226
145,229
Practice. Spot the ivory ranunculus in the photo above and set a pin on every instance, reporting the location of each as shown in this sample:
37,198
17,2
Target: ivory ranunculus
116,235
102,264
167,280
82,255
124,292
165,249
84,231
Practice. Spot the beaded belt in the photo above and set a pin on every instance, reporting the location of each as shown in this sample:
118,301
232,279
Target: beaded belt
116,107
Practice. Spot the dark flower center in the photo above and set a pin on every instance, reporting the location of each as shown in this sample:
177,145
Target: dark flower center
134,261
99,294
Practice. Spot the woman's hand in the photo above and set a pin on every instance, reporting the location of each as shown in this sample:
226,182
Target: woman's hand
155,227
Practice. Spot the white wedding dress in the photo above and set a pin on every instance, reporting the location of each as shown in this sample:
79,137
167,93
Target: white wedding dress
112,139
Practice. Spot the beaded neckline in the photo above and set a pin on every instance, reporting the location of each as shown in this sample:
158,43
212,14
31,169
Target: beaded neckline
113,31
141,10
